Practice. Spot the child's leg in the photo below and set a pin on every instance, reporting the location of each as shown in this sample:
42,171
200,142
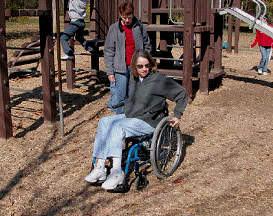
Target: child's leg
80,37
67,34
267,56
263,59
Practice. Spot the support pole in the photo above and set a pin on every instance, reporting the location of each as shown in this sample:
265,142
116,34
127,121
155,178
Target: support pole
230,27
188,46
5,108
47,60
218,38
237,29
57,15
204,64
70,64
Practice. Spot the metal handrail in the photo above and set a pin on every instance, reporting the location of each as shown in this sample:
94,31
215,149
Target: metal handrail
170,15
259,12
265,10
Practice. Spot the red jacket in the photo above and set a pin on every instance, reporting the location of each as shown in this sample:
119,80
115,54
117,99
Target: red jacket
262,40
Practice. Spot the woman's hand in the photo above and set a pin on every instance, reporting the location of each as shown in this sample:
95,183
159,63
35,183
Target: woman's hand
111,78
175,122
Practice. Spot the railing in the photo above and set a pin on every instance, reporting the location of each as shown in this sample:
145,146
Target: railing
258,2
170,14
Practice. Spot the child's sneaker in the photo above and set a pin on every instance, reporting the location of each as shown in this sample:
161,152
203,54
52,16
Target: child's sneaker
115,178
67,57
260,71
264,73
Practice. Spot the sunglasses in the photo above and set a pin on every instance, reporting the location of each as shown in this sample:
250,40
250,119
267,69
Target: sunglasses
141,66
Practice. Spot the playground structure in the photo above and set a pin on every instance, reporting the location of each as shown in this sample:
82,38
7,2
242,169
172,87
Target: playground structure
202,18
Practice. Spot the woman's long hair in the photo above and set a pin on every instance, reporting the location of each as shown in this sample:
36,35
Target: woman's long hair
144,54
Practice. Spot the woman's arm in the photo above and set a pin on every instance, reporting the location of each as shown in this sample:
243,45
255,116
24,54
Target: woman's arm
146,39
109,51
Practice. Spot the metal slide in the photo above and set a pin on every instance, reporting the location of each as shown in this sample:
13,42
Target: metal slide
254,22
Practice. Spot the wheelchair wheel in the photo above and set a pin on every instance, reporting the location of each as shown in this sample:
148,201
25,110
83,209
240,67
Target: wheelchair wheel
166,149
141,182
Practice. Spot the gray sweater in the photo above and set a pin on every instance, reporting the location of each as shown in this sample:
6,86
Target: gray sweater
77,9
114,48
147,99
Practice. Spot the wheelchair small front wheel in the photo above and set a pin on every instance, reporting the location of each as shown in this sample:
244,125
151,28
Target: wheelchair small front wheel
141,182
166,149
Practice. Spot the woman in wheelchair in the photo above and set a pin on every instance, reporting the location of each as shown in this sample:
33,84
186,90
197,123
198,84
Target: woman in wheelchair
145,106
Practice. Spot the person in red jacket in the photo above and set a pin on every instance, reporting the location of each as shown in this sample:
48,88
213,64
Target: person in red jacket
265,44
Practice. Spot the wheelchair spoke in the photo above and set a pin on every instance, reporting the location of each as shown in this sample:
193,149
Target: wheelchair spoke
166,149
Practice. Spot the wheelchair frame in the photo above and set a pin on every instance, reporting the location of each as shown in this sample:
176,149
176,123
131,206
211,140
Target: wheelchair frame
163,149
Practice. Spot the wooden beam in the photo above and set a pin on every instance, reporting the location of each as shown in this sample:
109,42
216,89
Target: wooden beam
5,108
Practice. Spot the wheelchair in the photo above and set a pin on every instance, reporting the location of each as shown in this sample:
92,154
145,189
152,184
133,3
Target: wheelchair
163,150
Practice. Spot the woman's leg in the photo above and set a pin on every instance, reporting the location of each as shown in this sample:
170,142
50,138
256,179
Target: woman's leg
125,128
121,129
99,152
118,91
104,131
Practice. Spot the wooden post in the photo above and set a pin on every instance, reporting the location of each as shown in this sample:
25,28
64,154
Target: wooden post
188,46
47,60
230,27
93,17
152,35
70,64
5,108
218,35
146,14
237,29
204,64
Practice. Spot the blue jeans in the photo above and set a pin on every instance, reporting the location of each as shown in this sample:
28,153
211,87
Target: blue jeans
119,90
112,130
75,28
266,54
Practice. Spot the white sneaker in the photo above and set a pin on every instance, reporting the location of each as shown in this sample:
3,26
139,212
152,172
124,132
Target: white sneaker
67,57
265,73
113,180
260,71
97,174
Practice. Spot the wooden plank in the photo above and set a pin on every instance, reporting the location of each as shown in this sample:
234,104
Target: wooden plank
172,73
20,62
165,10
30,44
216,72
25,52
176,28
